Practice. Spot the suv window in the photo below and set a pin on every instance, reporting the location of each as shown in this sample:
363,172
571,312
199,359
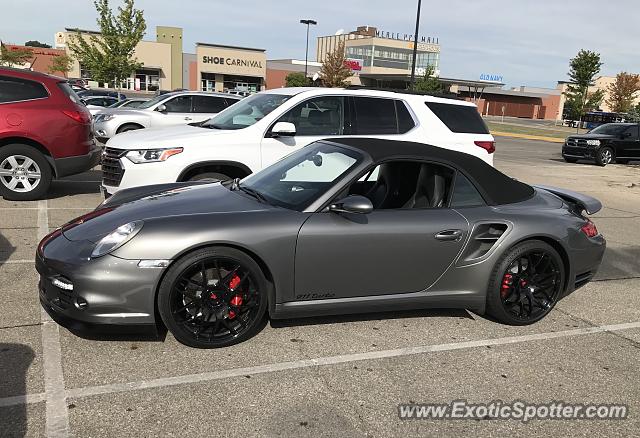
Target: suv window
632,132
208,104
317,116
459,118
465,194
179,104
405,121
375,116
16,90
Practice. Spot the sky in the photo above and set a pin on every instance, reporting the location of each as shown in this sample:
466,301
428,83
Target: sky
528,42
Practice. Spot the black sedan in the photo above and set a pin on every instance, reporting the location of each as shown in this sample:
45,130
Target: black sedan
341,226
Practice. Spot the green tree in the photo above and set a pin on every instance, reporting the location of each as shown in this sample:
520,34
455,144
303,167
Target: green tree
334,72
35,43
61,63
428,83
634,113
583,69
623,91
109,56
296,79
15,56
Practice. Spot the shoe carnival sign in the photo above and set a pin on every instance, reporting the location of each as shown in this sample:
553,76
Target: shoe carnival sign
231,61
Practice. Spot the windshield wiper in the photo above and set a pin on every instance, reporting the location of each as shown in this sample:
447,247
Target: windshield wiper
249,191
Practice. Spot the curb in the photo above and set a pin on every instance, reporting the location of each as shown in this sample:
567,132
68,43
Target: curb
528,137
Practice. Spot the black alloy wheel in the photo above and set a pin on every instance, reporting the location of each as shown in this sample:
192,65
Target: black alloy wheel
526,284
213,298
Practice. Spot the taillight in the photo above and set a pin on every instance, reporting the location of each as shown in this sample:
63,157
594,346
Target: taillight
78,116
489,146
589,229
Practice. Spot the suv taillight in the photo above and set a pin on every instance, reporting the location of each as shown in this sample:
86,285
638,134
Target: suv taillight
489,146
589,229
78,116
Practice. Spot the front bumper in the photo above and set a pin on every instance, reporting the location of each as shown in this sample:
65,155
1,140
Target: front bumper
77,164
580,153
103,131
124,174
107,291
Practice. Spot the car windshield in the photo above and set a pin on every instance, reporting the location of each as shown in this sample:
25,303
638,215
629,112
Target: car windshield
246,112
300,178
152,102
609,129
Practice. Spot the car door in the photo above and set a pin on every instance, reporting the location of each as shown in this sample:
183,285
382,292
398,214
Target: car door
205,107
629,144
388,251
315,119
177,111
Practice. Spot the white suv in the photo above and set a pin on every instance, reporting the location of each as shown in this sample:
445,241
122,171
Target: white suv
264,127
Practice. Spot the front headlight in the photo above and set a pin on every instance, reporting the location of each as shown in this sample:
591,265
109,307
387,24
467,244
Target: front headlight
107,117
151,155
593,142
116,239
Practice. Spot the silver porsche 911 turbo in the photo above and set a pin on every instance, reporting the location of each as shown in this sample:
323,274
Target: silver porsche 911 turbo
341,226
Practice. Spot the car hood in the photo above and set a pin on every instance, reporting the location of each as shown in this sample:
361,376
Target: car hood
180,199
176,135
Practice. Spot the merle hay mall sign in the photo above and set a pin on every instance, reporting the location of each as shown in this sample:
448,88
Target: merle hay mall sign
220,60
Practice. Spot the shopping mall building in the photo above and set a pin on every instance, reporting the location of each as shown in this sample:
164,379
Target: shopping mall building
165,66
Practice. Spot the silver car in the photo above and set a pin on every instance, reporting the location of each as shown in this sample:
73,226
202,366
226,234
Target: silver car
168,109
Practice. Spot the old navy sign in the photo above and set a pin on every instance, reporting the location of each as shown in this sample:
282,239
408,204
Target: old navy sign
490,77
219,60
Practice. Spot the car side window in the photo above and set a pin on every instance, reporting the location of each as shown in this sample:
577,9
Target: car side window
465,194
632,132
318,116
405,120
375,116
208,104
179,104
16,90
405,185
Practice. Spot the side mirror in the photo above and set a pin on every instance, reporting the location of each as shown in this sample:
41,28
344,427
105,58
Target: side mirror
352,204
283,129
161,108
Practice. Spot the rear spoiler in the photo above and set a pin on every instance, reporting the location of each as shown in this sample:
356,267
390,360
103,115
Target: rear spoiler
587,203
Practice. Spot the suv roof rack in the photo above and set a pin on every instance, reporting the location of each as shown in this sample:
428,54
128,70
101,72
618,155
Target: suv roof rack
446,95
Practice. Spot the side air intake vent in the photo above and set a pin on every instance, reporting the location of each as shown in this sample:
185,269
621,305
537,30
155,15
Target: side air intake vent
482,240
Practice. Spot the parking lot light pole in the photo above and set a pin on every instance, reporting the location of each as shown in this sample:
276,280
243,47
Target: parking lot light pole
306,53
415,46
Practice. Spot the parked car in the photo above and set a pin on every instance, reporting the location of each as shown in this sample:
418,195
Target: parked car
45,133
99,92
264,127
96,104
165,110
619,142
131,102
316,234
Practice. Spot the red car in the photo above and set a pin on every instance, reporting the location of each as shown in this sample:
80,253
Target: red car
45,133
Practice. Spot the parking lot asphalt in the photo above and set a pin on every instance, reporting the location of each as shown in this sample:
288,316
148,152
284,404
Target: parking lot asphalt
338,376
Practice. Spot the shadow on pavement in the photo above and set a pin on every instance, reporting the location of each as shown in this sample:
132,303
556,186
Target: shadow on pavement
15,360
620,262
6,249
452,313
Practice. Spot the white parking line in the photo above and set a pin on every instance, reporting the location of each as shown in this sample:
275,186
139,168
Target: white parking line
16,262
57,413
307,363
335,360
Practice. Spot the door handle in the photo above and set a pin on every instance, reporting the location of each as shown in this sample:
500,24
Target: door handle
188,118
448,235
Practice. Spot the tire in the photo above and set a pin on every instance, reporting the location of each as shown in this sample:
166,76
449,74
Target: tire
514,288
604,156
213,316
570,160
19,186
129,127
621,161
210,176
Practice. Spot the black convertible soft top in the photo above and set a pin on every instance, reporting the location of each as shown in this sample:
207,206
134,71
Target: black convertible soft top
496,187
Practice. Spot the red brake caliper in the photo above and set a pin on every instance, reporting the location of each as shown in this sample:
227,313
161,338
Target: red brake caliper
507,280
236,300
